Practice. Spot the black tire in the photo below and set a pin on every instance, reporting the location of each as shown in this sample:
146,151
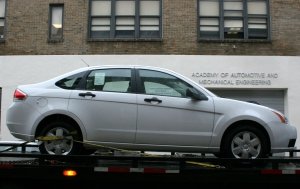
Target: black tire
245,142
65,146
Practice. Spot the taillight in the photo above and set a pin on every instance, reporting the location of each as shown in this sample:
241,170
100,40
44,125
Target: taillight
19,95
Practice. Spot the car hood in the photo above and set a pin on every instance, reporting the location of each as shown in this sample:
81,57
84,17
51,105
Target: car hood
235,110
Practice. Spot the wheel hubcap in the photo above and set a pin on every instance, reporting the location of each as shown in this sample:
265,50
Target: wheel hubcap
246,145
59,147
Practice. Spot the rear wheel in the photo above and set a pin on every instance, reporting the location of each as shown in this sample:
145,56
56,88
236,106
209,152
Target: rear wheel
63,135
245,142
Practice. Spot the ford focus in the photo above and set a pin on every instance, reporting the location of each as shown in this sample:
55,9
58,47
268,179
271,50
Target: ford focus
145,109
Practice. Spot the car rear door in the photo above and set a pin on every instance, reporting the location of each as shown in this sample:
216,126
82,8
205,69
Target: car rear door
107,105
166,116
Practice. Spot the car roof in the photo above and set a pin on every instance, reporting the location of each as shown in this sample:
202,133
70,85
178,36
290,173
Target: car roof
127,66
135,66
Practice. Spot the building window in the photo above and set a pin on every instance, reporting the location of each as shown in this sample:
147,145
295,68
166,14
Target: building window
2,18
125,19
56,22
233,19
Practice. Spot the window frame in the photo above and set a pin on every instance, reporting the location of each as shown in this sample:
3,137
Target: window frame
50,37
83,84
79,77
140,88
245,18
4,21
113,17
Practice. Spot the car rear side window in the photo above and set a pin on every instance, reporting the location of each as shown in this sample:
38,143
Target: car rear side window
109,80
70,82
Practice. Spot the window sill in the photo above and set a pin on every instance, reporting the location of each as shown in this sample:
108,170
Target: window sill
125,40
55,40
235,40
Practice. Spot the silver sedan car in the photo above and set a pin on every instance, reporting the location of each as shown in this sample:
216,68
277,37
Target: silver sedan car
145,109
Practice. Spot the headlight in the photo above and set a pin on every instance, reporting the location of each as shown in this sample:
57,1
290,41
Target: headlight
281,117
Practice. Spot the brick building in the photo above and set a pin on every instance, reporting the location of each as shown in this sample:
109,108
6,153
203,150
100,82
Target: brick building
191,27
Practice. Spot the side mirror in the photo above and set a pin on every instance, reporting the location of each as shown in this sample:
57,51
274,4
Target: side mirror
195,95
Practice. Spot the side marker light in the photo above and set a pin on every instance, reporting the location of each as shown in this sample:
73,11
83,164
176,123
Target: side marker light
69,173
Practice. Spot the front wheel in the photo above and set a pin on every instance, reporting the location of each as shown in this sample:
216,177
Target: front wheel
65,144
245,142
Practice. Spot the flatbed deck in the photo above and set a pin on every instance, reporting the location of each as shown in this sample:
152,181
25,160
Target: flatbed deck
23,169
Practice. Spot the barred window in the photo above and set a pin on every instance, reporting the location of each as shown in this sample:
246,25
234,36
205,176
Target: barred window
2,18
125,19
233,19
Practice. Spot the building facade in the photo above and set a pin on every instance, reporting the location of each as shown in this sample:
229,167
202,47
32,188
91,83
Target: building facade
192,27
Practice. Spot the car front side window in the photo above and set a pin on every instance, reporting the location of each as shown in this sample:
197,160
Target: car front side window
109,80
162,84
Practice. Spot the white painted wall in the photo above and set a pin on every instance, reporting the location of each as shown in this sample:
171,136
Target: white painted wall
17,70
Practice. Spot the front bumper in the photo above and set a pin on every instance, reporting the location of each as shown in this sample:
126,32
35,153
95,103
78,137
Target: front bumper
284,138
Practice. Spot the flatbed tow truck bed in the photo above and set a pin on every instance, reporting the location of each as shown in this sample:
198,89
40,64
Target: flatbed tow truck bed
23,169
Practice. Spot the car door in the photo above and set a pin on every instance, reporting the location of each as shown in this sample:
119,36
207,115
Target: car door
106,105
167,116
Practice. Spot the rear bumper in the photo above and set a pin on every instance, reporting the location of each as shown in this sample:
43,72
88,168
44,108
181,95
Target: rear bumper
20,119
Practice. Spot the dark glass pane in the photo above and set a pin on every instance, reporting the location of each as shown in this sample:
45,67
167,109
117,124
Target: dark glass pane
100,34
125,33
149,34
1,31
258,34
70,82
209,34
234,35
